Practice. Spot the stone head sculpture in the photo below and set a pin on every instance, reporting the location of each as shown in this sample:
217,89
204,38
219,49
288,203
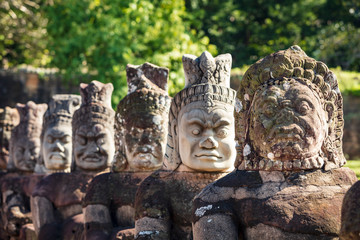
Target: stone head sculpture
25,137
93,128
289,114
142,119
57,133
201,123
9,118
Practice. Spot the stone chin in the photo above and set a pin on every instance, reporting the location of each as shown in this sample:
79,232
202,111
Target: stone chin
57,162
27,166
145,161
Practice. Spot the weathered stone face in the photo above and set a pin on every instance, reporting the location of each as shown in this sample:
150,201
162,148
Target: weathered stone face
93,147
201,129
287,122
289,115
93,128
26,153
9,118
57,147
25,138
142,119
57,133
206,137
145,148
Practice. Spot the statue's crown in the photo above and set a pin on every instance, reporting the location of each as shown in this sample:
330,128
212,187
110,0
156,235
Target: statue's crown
61,109
207,69
95,104
9,116
31,118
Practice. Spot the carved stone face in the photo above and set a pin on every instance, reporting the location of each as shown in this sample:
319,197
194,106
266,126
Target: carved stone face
206,138
287,122
26,152
57,147
145,148
93,147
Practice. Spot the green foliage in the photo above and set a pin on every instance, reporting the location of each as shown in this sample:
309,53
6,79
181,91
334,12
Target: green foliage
252,29
355,166
22,34
98,38
349,82
339,45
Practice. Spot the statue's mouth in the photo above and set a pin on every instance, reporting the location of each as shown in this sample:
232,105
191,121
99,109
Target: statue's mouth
92,158
144,156
292,132
209,156
57,156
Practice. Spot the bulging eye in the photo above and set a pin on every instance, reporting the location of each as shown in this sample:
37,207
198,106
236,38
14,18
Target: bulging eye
270,110
81,140
100,141
20,150
222,133
303,107
50,139
195,131
66,139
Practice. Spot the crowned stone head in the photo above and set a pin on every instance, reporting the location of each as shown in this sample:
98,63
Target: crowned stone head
9,118
141,119
201,122
57,134
93,127
25,137
289,114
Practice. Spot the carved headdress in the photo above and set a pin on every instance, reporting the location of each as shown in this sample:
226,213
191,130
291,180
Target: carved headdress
9,118
95,105
207,80
30,126
61,110
147,101
291,65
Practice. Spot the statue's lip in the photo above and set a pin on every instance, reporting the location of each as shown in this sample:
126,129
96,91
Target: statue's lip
92,158
208,156
57,156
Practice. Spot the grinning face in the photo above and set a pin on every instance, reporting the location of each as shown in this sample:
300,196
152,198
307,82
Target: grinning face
26,153
206,138
93,147
287,122
57,147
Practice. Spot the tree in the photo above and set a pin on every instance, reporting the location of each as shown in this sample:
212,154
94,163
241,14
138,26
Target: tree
98,38
22,33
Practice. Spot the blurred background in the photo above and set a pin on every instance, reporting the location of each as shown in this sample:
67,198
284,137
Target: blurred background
50,46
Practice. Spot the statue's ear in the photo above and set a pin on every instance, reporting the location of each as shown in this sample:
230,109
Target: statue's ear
330,111
174,129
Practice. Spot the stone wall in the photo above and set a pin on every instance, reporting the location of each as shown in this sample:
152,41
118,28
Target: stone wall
38,85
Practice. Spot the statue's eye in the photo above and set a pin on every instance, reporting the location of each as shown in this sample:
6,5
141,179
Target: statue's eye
270,110
20,150
100,141
66,139
82,140
196,131
49,139
222,133
303,107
